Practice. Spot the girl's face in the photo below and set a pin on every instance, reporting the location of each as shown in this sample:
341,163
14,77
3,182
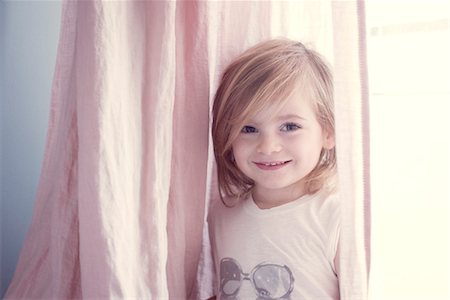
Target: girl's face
278,148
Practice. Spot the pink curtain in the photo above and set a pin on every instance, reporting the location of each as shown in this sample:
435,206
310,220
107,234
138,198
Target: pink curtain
352,142
128,170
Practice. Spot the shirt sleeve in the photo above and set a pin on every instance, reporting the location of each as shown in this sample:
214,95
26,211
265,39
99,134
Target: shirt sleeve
334,231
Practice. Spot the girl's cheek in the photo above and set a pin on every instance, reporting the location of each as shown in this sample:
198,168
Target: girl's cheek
293,139
244,141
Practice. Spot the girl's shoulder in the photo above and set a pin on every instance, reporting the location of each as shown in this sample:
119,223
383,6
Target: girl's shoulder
328,199
327,207
226,205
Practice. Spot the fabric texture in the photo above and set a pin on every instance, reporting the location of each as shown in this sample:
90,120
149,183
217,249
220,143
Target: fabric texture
288,251
128,172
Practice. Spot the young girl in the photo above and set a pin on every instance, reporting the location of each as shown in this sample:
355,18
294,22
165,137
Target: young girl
275,234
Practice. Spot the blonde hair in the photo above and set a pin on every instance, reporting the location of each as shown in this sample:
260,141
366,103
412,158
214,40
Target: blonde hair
268,74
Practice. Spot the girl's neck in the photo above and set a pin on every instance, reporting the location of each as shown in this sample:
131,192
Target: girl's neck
267,198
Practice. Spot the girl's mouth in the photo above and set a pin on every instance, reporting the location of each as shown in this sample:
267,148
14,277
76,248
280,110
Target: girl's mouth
272,165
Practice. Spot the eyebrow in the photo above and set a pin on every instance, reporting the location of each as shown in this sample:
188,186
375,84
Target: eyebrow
290,116
280,118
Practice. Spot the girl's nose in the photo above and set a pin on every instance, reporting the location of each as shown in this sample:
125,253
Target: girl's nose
268,144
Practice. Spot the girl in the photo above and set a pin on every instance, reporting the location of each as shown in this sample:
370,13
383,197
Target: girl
275,234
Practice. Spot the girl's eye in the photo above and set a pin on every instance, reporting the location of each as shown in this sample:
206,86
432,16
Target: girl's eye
249,129
290,127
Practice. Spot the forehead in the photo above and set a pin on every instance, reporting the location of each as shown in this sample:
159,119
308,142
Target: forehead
298,103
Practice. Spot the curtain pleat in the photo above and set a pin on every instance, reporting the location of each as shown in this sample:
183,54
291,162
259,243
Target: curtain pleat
189,148
128,173
352,136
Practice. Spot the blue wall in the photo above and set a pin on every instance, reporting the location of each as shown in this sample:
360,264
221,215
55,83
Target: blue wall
28,41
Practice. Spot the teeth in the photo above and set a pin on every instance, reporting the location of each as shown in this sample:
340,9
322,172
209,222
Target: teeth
274,164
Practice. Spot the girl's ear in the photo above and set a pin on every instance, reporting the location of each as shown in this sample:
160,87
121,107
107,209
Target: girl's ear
232,156
328,140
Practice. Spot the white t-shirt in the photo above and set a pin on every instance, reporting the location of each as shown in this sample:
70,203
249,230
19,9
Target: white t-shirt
285,252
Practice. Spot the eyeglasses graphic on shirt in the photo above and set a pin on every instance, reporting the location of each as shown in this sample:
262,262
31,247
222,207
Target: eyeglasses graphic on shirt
270,281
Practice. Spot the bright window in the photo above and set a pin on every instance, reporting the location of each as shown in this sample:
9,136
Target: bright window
408,62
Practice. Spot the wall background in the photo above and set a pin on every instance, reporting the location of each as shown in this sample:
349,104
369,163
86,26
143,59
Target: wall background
28,42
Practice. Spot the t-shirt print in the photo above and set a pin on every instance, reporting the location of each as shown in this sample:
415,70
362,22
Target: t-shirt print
269,281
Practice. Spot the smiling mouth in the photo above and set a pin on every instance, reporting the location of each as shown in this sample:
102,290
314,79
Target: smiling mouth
273,165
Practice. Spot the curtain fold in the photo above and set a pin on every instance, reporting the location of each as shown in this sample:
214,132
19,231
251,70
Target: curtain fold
352,142
128,172
190,148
